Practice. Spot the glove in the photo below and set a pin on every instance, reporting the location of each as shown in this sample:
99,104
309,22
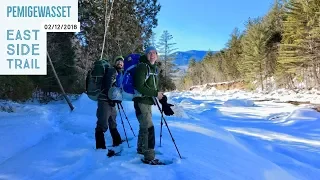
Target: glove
166,107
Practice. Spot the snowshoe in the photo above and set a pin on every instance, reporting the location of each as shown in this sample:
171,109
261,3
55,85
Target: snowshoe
114,151
153,162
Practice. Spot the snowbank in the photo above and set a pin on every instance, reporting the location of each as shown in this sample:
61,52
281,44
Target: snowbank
9,106
239,103
280,95
23,129
302,114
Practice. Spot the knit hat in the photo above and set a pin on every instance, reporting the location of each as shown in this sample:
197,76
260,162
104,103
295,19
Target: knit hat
118,58
150,48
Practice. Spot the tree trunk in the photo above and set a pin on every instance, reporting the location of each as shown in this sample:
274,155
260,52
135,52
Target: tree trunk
261,76
315,73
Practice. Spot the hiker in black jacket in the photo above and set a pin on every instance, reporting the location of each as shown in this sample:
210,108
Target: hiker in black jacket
106,112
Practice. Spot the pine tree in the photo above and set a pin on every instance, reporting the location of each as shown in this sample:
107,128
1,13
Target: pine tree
299,48
166,47
146,12
290,58
192,63
233,55
208,67
254,51
311,42
274,24
220,64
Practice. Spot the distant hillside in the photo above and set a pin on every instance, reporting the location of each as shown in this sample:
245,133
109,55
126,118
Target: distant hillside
182,58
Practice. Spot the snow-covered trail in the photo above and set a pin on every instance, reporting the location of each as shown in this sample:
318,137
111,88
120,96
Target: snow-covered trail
217,140
287,135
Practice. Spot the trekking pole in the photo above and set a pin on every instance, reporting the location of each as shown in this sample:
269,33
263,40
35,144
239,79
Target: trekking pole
123,125
160,124
161,127
127,119
162,117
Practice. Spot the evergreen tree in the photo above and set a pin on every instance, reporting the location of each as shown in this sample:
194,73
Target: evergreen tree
192,63
166,47
254,51
289,56
234,54
274,24
299,48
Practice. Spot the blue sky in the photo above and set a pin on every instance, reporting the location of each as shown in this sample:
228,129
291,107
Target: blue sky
206,24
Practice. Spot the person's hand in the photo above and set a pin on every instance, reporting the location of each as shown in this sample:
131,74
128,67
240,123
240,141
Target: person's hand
166,107
160,95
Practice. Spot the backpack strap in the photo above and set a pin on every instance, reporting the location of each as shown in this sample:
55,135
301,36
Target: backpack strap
103,79
153,74
148,72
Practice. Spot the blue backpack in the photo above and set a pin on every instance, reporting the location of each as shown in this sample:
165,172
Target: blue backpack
124,90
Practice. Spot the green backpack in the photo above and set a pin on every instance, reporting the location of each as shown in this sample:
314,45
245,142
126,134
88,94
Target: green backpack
94,78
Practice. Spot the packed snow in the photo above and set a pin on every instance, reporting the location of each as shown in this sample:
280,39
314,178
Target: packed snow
219,134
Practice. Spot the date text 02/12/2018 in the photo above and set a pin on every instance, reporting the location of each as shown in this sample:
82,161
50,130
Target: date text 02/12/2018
60,26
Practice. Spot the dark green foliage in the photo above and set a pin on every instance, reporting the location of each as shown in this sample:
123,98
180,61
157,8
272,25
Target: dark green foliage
16,88
165,82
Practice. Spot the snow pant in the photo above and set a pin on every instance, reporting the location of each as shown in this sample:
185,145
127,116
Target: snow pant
106,115
146,137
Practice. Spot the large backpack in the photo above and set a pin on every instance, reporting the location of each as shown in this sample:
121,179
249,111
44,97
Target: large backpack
124,90
94,78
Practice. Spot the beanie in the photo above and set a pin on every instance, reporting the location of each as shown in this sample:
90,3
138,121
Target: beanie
118,58
149,49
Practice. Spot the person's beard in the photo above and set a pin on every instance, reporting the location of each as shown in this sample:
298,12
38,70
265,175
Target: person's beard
118,68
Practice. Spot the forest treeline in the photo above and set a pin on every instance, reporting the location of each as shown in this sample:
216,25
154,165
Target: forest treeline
282,47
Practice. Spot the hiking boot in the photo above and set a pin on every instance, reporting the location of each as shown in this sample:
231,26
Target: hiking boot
115,145
153,162
139,151
115,137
